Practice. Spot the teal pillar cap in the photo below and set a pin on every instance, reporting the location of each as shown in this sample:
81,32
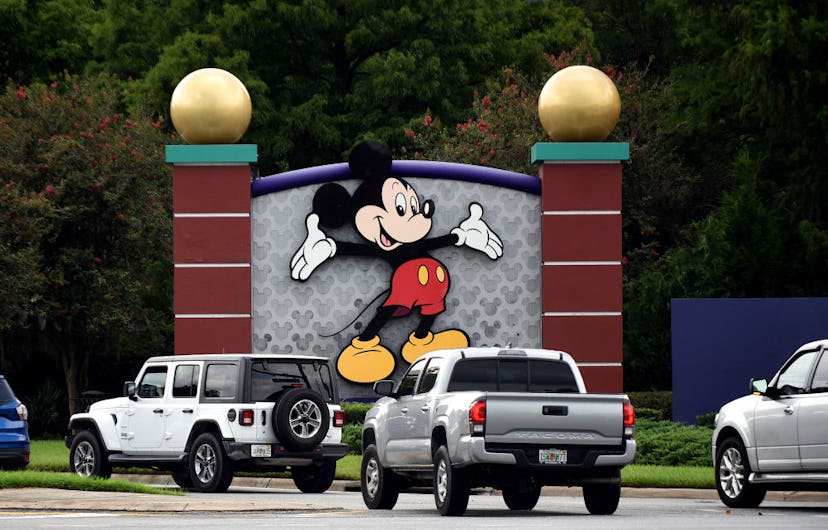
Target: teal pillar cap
212,154
580,152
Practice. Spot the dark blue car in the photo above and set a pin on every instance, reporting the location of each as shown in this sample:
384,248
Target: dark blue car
14,429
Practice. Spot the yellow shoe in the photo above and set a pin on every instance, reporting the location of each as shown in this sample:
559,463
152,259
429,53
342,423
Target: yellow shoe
365,361
450,338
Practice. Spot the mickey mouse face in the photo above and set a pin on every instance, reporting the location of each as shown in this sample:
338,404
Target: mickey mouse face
398,220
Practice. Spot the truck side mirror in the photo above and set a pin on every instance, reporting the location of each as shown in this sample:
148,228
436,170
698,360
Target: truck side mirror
384,387
129,390
759,386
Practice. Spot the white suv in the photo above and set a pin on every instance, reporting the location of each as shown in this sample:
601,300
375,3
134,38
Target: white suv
202,417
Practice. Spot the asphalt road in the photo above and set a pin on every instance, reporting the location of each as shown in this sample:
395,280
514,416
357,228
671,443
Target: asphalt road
249,505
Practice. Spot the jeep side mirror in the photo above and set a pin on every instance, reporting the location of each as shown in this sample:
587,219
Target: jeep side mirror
129,390
384,387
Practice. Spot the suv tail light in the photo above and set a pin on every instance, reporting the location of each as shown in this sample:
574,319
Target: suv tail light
246,417
22,412
477,418
339,418
629,420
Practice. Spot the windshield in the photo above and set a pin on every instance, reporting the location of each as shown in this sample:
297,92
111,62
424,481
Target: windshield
271,378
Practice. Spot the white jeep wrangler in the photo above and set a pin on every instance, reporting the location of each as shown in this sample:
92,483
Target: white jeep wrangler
202,417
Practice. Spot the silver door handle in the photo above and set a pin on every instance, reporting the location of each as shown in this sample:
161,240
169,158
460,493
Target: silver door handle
424,408
788,410
404,410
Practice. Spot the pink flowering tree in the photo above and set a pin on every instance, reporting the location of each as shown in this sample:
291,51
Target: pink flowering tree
85,200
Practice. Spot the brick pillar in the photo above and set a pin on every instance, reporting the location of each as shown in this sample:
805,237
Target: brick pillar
212,245
581,277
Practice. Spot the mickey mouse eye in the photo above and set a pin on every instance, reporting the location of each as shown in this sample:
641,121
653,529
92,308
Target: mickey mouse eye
399,204
415,205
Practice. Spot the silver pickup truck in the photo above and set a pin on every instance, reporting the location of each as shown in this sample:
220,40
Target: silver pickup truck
514,420
776,438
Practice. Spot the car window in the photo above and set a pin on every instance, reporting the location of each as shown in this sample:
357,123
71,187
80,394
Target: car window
269,379
793,378
153,382
430,375
410,379
220,380
185,383
820,383
6,394
512,375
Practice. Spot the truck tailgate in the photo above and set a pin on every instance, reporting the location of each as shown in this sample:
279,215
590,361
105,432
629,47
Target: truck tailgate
571,419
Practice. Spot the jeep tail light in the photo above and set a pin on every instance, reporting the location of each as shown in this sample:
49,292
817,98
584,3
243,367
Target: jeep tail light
246,417
339,418
629,420
22,412
477,418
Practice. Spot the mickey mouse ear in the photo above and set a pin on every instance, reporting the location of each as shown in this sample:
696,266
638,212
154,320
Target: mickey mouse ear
370,160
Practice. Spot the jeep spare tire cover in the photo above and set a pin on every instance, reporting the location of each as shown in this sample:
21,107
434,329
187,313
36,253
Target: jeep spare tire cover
301,419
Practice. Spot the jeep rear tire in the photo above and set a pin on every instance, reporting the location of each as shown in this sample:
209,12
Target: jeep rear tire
314,478
210,469
301,419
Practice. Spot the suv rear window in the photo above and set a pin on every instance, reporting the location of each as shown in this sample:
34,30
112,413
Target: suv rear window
6,394
270,378
512,375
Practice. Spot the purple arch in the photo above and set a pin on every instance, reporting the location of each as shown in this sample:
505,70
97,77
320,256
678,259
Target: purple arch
400,168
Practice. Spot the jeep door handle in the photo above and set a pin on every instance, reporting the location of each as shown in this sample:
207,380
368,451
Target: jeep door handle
187,411
788,410
158,411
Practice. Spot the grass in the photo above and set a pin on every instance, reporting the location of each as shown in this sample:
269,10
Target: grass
49,468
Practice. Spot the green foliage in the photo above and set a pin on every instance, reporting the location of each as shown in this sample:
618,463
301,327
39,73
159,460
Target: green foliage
355,411
665,443
649,476
47,410
66,481
352,435
88,194
706,420
660,401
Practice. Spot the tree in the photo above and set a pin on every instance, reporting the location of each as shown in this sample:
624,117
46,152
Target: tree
89,201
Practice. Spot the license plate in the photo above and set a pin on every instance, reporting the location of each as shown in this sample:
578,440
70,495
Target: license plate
261,451
552,456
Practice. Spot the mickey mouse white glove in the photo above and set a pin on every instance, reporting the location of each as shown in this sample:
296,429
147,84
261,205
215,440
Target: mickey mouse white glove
476,234
313,252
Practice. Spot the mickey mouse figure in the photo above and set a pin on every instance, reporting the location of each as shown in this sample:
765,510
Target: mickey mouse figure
389,214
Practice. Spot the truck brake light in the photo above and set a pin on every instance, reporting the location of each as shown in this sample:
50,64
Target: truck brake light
629,420
477,418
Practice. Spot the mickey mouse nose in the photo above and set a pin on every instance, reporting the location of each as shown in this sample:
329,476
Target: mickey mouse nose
428,209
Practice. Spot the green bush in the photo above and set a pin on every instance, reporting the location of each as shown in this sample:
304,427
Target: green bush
355,411
658,400
666,443
706,420
643,413
352,435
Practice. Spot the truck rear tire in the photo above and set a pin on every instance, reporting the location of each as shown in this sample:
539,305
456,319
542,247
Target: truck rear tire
210,469
451,487
379,485
314,478
732,472
602,498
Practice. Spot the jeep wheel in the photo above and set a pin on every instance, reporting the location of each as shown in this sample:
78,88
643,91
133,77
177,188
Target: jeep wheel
301,419
210,470
314,478
86,458
379,486
521,499
451,489
732,472
182,478
601,498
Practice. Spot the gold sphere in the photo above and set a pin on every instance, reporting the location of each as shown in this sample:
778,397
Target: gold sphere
210,106
579,104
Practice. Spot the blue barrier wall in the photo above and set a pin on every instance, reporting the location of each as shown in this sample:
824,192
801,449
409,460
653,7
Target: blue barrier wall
719,344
